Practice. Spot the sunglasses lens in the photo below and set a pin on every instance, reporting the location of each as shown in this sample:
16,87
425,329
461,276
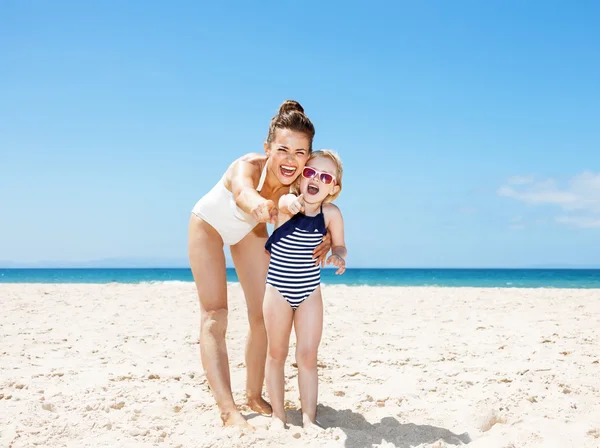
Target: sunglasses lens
326,178
309,173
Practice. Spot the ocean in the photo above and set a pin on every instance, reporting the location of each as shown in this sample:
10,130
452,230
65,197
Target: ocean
483,278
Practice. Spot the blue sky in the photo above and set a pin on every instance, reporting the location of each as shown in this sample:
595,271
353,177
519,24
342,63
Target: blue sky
469,130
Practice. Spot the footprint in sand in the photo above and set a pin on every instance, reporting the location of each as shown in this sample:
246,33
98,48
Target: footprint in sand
491,419
117,406
48,407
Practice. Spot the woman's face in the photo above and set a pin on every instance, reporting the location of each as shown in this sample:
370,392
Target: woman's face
288,153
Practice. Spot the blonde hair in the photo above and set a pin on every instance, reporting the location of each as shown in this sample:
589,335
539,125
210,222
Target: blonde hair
333,156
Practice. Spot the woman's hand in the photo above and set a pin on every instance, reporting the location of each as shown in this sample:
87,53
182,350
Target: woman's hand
265,212
320,252
338,262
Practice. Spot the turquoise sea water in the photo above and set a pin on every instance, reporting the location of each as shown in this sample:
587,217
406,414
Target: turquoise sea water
493,278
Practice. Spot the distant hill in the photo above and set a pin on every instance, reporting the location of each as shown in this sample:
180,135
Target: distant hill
183,263
102,263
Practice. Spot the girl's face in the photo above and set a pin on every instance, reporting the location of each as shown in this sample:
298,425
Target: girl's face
318,180
288,153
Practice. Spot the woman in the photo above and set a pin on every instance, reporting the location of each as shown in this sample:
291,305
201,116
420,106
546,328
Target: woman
235,213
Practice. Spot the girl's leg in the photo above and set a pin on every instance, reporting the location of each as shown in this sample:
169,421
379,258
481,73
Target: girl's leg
251,262
308,324
278,320
207,261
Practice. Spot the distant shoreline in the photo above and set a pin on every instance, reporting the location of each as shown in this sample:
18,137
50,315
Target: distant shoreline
525,268
413,277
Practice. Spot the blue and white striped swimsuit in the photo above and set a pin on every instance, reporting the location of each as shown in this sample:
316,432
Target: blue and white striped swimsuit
292,268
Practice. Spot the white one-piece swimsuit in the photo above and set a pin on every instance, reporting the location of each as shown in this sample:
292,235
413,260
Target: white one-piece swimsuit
218,208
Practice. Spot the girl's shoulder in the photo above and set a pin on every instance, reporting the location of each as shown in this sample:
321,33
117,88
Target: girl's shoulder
329,208
330,212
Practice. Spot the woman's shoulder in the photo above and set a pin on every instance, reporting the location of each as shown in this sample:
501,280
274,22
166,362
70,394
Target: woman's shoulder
250,164
253,159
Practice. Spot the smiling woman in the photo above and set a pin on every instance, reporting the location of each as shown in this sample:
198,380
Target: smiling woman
235,213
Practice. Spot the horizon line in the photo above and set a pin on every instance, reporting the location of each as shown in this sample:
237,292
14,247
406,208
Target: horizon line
537,267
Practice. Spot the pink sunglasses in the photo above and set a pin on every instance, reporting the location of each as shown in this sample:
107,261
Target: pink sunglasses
311,173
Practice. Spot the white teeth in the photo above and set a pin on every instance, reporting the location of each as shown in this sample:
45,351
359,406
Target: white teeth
287,170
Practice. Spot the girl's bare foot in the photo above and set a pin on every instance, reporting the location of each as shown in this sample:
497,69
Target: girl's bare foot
310,426
259,405
236,419
277,424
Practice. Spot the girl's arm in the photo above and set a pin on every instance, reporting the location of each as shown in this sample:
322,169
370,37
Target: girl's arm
243,179
335,227
291,204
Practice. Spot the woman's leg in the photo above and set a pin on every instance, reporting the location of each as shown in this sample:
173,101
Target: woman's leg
278,321
308,323
251,262
207,261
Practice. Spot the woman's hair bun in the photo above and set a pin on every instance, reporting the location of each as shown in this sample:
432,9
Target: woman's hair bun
290,106
291,116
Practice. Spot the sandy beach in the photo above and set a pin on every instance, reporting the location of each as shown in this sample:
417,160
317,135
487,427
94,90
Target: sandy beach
118,366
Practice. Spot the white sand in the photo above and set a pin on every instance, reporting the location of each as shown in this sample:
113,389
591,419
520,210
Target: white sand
119,366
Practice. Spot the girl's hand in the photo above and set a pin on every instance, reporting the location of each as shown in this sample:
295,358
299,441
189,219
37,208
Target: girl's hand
265,212
339,262
296,205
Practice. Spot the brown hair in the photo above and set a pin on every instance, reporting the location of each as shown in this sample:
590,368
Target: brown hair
291,116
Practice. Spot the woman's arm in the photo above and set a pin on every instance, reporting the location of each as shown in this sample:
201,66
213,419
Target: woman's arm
243,179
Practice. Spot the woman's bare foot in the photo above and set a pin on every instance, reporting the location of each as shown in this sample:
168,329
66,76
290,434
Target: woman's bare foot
260,405
236,419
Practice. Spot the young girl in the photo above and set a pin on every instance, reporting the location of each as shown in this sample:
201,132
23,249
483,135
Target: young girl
293,292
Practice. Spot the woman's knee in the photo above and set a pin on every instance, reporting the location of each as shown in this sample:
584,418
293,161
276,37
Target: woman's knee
256,320
214,322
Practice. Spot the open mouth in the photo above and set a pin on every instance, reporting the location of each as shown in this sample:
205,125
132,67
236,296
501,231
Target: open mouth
287,171
312,189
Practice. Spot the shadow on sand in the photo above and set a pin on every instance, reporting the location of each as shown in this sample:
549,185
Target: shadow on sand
360,433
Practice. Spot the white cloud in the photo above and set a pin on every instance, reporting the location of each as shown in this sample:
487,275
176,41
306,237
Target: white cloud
521,180
467,210
581,194
579,221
